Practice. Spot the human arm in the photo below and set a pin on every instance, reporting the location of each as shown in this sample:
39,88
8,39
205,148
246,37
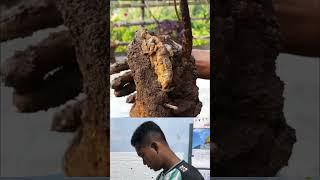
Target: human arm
300,26
202,62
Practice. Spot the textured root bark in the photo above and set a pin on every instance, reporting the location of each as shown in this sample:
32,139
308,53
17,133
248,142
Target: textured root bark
58,88
251,135
68,119
87,20
162,77
27,17
187,30
26,70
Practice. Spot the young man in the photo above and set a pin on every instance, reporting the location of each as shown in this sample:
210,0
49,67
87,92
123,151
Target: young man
151,145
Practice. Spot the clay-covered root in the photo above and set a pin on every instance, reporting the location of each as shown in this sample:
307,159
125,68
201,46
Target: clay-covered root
165,84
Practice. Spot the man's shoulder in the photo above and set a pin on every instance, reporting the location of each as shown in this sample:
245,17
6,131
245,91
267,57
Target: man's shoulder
159,177
173,174
189,172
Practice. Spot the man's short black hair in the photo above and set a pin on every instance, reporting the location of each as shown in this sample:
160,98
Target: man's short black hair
146,132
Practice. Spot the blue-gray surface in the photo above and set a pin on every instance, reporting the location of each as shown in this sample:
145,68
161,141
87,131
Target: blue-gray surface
301,109
28,148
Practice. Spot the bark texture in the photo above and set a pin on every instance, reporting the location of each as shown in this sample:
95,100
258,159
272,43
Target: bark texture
87,21
251,136
187,30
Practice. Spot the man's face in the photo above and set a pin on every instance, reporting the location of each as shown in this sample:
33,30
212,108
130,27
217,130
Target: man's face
149,156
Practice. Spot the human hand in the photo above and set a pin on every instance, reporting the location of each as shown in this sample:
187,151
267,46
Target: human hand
43,76
202,61
123,85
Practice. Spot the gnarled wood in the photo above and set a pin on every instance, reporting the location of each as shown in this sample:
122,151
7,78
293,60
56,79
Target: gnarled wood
87,21
161,76
187,30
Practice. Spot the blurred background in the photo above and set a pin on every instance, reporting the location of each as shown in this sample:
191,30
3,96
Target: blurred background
158,16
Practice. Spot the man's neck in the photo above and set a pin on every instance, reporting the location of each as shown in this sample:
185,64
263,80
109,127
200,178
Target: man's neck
171,160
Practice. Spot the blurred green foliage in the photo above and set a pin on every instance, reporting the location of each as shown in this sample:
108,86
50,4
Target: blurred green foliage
126,34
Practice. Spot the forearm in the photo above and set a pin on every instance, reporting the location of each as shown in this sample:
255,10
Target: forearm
202,60
300,27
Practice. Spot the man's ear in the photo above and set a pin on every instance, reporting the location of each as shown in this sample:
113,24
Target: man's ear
155,146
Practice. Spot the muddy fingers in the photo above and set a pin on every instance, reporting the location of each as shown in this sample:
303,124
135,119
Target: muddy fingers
68,118
55,90
120,81
27,17
131,98
26,69
117,67
127,89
